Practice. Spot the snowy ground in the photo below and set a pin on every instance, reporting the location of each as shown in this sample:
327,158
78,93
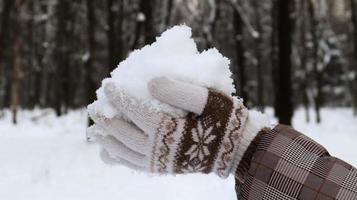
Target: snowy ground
45,157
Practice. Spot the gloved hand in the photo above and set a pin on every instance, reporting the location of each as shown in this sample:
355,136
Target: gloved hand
209,139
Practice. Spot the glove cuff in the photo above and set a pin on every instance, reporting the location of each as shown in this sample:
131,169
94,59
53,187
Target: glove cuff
232,140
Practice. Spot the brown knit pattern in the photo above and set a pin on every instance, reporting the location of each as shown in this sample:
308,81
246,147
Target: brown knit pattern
200,143
234,136
203,135
164,149
284,164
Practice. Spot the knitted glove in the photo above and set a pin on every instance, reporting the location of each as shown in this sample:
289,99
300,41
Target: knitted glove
208,139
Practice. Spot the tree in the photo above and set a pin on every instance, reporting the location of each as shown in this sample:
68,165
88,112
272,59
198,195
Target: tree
145,25
240,80
283,91
111,35
315,57
62,56
4,29
64,46
274,52
16,74
169,6
90,70
303,49
209,23
354,23
258,54
115,32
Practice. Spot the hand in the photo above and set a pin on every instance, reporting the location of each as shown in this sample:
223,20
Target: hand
208,139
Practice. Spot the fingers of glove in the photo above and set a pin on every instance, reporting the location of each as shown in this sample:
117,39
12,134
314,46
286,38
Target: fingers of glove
117,149
122,130
95,130
145,118
183,95
106,158
98,118
128,134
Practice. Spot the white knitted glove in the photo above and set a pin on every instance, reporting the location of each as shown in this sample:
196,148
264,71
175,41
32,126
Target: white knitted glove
209,139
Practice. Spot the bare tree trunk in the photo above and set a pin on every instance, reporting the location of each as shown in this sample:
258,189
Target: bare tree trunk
120,33
258,54
274,53
209,24
137,34
147,7
283,95
168,12
90,72
42,56
303,59
112,53
31,80
217,15
354,22
5,18
318,78
16,74
145,23
239,72
7,5
63,36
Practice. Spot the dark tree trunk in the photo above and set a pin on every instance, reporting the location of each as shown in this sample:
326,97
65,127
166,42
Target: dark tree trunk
209,33
274,53
115,32
283,93
354,22
5,18
137,35
112,53
145,26
16,74
239,71
57,95
217,15
120,33
33,69
303,60
41,54
90,69
147,8
62,56
168,12
317,73
258,54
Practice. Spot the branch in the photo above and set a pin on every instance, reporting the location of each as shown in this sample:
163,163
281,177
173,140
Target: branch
255,34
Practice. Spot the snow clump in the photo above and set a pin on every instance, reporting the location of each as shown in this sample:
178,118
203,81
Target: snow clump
174,54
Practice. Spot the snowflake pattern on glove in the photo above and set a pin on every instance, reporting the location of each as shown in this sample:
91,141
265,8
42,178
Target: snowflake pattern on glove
202,139
197,143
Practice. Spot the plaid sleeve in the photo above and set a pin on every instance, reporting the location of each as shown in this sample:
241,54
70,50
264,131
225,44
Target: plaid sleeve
284,164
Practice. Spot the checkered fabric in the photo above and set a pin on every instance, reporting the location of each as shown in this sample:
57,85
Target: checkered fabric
284,164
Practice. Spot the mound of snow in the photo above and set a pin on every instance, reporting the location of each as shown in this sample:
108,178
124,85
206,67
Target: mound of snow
174,54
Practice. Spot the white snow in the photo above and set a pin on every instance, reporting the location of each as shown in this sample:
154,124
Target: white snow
174,54
45,157
141,17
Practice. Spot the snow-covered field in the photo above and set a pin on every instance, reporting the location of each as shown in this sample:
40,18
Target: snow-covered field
45,157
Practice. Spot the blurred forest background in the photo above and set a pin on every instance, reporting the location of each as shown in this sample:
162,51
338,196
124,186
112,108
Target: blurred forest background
285,53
